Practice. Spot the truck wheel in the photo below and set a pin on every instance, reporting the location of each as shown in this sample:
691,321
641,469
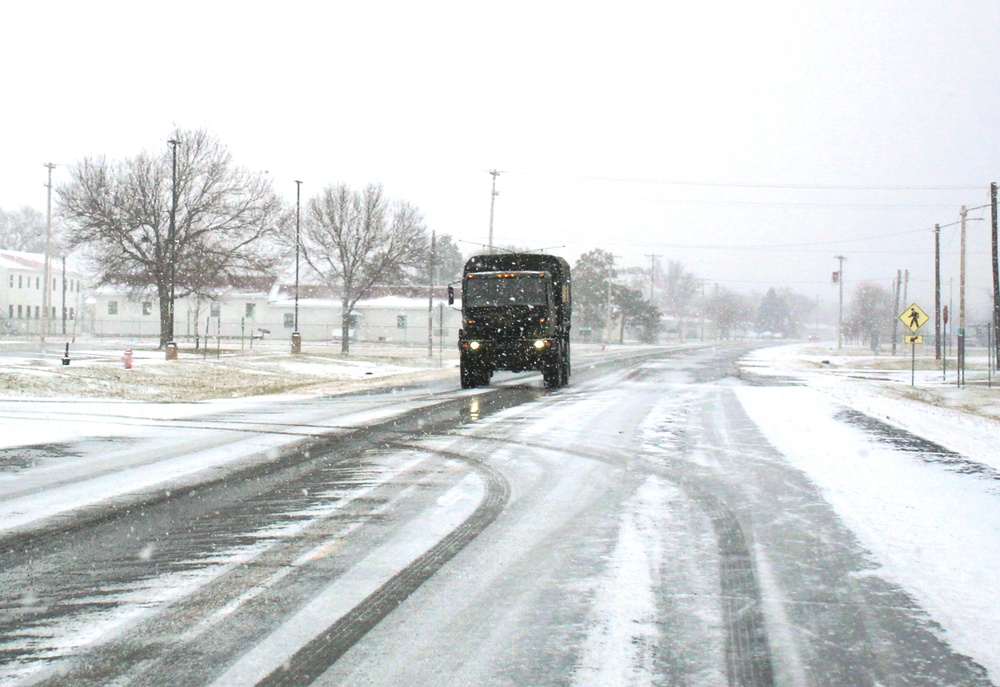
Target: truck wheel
469,377
552,375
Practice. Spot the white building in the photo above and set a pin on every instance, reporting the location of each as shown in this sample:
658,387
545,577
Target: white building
112,311
22,293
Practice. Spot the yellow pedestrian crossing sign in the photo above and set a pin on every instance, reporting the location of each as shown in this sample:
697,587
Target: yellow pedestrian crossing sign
914,318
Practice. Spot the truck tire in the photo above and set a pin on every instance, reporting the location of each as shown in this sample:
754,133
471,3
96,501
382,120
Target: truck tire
473,375
468,375
552,376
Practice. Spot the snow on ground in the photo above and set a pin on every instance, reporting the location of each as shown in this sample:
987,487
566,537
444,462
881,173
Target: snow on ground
932,529
944,525
97,370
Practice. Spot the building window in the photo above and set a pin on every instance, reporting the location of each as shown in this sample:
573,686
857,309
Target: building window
289,320
71,314
251,307
112,308
38,283
400,321
53,313
38,312
11,309
19,315
147,308
19,281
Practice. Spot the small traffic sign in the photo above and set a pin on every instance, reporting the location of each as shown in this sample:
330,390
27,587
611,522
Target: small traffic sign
914,339
914,318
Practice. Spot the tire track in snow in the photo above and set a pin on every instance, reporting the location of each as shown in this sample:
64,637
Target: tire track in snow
748,652
312,660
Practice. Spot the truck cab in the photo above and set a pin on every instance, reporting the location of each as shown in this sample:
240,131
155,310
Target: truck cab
515,316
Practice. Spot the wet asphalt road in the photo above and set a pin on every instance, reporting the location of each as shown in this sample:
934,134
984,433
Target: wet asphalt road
632,528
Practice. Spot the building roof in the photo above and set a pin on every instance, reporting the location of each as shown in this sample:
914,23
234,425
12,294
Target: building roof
20,260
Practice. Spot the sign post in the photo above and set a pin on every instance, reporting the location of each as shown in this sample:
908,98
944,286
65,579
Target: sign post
914,318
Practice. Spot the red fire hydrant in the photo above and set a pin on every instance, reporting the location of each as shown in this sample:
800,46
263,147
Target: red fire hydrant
127,358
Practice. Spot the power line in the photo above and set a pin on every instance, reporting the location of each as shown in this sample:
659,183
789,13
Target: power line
724,184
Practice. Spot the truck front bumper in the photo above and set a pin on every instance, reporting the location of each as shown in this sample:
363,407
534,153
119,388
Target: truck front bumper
514,355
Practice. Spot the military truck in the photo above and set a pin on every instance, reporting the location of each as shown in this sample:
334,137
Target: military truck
515,316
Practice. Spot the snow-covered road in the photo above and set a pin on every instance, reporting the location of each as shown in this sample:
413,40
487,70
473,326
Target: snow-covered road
659,521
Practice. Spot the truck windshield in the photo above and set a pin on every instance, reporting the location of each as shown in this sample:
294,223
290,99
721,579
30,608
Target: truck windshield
495,291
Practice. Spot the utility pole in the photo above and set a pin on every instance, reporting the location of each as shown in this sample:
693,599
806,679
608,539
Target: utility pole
652,273
718,329
840,310
47,291
906,297
996,275
961,307
296,335
937,292
702,309
430,300
493,197
610,275
951,313
906,287
896,284
172,239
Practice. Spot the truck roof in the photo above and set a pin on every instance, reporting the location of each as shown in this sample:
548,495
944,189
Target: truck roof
520,262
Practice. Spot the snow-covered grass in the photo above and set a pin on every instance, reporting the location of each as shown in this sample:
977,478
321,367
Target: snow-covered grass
97,370
934,531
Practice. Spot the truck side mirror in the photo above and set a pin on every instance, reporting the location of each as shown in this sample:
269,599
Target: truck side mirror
451,295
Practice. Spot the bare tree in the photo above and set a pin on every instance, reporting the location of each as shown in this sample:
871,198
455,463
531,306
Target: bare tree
356,239
119,212
730,311
679,291
22,229
871,317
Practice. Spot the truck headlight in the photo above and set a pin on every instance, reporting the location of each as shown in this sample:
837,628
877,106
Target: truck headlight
474,345
540,343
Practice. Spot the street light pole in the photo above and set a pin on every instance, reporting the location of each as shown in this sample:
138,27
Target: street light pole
172,240
296,336
47,287
493,197
961,305
937,292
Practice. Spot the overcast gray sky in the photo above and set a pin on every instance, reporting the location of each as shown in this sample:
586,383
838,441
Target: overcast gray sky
751,141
